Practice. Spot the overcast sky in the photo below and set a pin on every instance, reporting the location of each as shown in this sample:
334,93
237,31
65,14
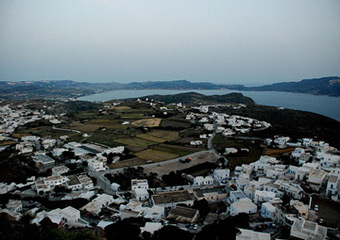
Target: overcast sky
249,42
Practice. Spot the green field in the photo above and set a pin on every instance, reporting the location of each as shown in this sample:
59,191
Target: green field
135,142
150,138
159,136
174,123
178,150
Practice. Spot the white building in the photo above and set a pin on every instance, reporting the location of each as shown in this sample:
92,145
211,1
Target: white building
263,196
141,194
68,216
246,234
96,205
303,229
59,170
139,184
244,205
316,178
97,165
221,175
200,181
268,210
14,205
333,185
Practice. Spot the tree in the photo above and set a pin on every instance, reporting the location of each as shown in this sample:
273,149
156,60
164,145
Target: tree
171,233
202,206
122,230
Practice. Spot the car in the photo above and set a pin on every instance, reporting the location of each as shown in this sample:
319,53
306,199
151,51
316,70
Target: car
316,207
181,160
321,220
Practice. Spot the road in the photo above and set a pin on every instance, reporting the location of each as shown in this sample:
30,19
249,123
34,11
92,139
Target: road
67,130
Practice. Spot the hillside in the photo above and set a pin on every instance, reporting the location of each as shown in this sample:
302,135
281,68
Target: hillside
318,86
193,97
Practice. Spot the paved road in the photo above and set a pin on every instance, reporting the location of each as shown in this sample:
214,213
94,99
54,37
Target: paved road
65,129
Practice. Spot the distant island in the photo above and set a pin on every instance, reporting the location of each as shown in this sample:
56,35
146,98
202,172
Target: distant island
58,89
318,86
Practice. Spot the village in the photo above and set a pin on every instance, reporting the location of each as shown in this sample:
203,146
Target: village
184,166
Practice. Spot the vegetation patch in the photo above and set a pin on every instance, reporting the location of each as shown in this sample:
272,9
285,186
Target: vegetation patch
175,124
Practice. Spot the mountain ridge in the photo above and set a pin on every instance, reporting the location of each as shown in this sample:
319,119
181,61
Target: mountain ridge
72,89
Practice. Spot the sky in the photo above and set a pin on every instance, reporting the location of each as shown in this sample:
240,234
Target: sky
250,42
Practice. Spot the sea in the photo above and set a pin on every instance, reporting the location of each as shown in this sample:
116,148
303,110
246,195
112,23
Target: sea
324,105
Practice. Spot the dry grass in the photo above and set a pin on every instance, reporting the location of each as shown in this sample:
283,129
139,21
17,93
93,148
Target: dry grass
167,135
120,108
95,124
156,156
151,122
271,152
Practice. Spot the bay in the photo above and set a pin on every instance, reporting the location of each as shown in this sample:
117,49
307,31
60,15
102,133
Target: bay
324,105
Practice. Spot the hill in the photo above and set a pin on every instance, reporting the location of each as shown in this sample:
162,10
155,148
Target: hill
193,97
318,86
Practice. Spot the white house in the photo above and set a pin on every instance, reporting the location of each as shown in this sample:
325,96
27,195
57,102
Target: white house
303,229
97,165
14,205
96,205
244,205
68,216
155,213
200,181
141,194
268,210
329,160
246,234
316,178
139,183
221,175
333,185
263,196
59,170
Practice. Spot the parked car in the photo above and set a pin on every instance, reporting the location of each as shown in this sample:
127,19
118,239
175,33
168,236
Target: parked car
316,207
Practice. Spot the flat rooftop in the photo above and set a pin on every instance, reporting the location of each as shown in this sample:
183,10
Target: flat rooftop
185,212
172,197
201,191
